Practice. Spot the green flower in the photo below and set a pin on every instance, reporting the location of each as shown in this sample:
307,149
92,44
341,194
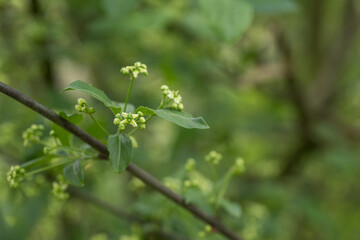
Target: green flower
172,98
83,107
134,71
32,134
133,119
213,157
15,175
59,188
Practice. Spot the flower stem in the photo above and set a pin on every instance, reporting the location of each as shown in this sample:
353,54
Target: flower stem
49,167
128,93
99,125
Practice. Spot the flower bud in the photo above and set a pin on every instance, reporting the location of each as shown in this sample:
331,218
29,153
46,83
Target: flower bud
142,120
81,101
142,127
116,121
91,110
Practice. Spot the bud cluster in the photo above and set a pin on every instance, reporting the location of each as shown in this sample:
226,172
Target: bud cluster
15,175
136,70
134,120
174,97
59,188
213,157
82,107
32,134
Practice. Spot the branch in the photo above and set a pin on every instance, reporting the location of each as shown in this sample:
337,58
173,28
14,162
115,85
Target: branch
324,88
132,168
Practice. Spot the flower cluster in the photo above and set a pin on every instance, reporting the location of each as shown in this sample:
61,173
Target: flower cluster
83,107
171,97
59,188
213,157
32,134
124,119
136,70
15,175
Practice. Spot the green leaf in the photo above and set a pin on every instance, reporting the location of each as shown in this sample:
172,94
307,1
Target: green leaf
120,148
98,94
182,119
274,6
231,208
74,118
64,136
228,18
74,173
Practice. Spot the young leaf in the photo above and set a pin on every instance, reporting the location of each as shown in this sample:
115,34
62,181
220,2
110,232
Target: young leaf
228,18
120,148
64,136
231,208
182,119
74,173
98,94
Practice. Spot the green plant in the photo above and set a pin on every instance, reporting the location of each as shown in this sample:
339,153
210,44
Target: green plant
60,150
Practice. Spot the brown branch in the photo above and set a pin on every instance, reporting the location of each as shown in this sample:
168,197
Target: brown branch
132,168
324,88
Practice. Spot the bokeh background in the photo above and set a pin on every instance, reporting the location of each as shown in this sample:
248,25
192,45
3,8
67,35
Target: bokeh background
276,80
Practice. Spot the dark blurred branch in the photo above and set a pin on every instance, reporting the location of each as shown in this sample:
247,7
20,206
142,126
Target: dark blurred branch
295,93
323,90
46,62
147,178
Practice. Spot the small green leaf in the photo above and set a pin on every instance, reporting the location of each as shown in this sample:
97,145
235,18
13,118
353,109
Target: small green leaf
64,136
182,119
228,18
74,173
146,110
231,208
89,89
98,94
120,148
74,118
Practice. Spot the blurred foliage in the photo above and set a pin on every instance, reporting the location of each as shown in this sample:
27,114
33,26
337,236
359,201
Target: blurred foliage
235,62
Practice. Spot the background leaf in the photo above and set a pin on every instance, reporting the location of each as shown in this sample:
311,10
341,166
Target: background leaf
120,148
74,173
228,18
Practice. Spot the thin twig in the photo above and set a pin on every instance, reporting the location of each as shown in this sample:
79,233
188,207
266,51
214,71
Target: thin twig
132,168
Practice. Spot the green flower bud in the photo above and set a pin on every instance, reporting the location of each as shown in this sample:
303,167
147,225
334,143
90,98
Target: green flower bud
116,121
142,126
81,101
78,108
190,164
52,133
121,126
91,110
46,150
125,71
181,106
142,120
15,175
118,115
140,113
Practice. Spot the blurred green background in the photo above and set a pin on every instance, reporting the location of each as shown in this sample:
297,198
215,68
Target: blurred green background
276,80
